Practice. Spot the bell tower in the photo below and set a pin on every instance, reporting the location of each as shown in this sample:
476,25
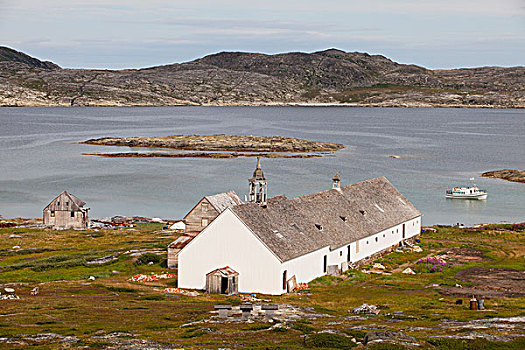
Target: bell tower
258,186
336,182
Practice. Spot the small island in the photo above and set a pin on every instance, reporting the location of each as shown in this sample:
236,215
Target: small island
235,146
507,174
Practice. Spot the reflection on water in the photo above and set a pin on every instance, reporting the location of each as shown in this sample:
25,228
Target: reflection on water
40,157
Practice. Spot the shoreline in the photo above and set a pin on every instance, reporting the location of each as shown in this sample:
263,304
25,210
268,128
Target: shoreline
284,104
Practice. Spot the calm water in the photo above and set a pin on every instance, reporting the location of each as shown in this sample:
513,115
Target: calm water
39,157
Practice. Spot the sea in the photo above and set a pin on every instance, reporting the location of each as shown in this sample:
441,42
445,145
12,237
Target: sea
40,156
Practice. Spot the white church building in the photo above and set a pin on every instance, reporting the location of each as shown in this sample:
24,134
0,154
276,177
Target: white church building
265,243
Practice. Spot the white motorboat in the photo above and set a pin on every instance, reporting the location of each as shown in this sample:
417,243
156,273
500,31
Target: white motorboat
466,193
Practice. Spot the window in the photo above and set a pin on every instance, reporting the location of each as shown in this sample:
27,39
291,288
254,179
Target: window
285,279
204,206
58,203
383,235
67,204
366,242
72,214
52,213
204,222
341,253
325,263
376,239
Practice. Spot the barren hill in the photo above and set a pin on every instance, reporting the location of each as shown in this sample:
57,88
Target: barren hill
235,78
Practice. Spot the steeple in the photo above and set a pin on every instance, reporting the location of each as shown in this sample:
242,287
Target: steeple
336,182
258,186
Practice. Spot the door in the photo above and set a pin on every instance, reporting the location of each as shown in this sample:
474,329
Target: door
348,254
403,231
224,285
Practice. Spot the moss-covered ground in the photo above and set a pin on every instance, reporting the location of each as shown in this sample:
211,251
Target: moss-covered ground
69,304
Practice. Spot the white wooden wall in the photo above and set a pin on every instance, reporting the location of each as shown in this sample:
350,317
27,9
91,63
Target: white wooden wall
228,242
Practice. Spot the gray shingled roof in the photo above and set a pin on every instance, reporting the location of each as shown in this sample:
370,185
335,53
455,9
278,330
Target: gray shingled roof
222,201
292,227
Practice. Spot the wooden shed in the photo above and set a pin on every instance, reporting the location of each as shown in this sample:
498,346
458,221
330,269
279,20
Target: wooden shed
222,281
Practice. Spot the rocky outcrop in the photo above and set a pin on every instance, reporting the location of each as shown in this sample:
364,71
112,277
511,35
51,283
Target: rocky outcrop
507,174
221,142
329,77
213,155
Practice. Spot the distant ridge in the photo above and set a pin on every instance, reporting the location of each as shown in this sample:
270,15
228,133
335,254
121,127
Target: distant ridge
328,77
10,55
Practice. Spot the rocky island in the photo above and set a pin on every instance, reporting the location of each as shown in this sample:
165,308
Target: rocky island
237,146
324,78
507,174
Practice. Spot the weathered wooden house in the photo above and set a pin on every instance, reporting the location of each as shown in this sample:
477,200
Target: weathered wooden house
66,212
222,281
174,248
270,242
198,218
207,209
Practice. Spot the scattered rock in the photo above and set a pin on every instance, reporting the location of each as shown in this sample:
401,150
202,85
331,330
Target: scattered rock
91,278
389,336
103,260
366,309
507,174
379,266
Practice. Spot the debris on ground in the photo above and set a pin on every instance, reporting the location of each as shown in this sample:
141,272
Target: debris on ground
35,291
408,271
249,297
151,278
181,292
366,309
91,278
417,249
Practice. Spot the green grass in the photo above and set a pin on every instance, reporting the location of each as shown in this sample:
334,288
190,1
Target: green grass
69,303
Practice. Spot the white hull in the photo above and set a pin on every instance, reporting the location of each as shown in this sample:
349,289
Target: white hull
467,196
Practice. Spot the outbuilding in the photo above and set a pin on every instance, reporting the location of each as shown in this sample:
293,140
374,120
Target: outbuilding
222,281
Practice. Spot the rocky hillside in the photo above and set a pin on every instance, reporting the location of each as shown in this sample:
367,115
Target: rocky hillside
235,78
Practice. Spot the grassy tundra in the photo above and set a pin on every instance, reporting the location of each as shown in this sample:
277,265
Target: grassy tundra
72,311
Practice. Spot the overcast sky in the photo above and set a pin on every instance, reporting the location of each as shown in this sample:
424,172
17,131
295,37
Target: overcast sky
141,33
